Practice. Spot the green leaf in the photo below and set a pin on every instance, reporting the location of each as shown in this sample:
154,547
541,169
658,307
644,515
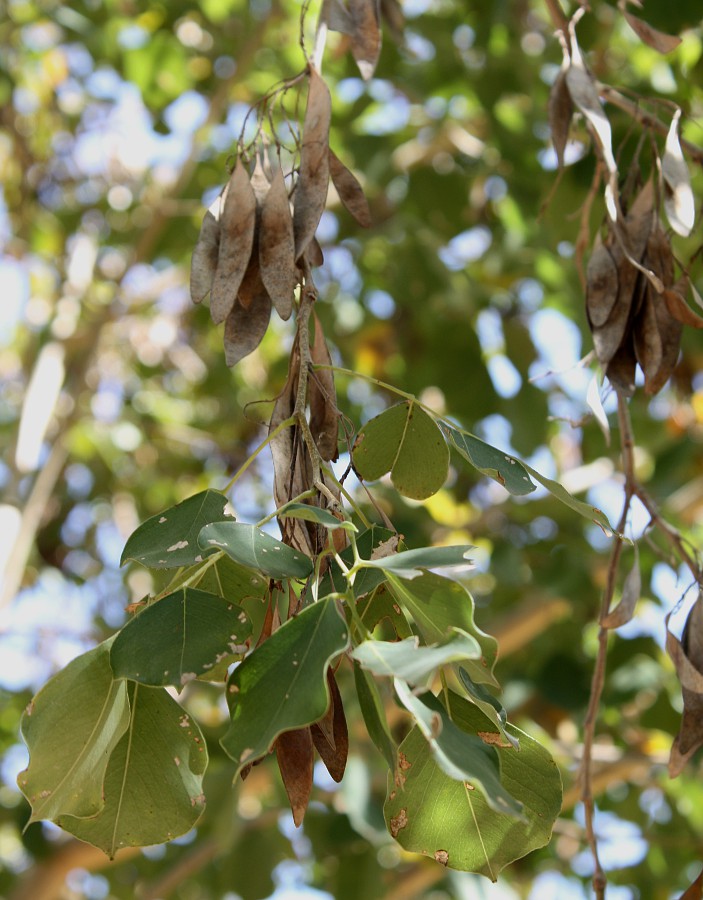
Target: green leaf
71,727
314,514
179,638
491,707
374,714
282,684
153,786
250,546
379,605
458,828
410,563
504,469
439,606
170,539
592,513
406,442
462,756
233,582
414,663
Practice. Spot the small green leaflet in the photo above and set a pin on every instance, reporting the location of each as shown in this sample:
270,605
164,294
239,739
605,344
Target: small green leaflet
170,539
153,785
282,684
179,638
411,662
250,546
439,606
374,714
410,563
504,469
458,828
462,756
314,514
406,442
71,727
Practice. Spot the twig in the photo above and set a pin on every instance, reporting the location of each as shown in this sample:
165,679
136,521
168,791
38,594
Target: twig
670,533
558,17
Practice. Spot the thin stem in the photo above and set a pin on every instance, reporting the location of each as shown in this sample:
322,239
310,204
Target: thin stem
242,469
369,378
280,509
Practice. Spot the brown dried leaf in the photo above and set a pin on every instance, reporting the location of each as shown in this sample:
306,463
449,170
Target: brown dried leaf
561,110
277,247
204,260
350,191
366,35
631,591
332,745
679,201
324,415
601,285
237,226
294,752
313,180
652,37
687,656
245,328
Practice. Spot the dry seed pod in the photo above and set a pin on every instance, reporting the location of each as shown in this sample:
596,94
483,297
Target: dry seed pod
601,285
237,226
332,744
687,656
204,260
350,191
670,335
294,752
677,306
366,35
324,415
652,37
277,247
648,343
561,109
620,371
245,328
311,189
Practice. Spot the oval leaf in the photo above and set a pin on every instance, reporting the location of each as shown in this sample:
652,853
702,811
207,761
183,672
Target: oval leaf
179,638
406,442
250,546
282,685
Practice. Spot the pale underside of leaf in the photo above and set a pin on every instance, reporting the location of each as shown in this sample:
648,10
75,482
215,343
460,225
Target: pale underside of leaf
584,93
679,201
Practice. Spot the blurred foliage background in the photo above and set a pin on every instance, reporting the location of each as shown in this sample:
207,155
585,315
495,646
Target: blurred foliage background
116,121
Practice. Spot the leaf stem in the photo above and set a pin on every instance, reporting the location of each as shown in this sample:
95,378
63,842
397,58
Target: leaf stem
291,420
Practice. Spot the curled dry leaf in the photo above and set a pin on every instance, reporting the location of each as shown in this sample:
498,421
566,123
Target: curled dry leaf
561,109
204,260
679,202
330,735
277,247
237,226
631,591
294,752
687,656
313,180
365,35
246,327
350,191
324,415
652,37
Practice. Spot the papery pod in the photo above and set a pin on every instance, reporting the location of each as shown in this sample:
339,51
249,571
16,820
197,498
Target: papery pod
324,415
561,110
294,753
277,247
350,192
245,327
311,189
205,255
330,735
687,656
365,35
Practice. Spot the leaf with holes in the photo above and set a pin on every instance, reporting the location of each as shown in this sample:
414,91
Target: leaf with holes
252,547
496,464
154,781
71,727
170,539
282,684
406,442
459,829
179,638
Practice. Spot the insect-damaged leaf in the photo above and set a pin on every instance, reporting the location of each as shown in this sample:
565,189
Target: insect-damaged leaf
237,226
245,328
204,260
277,247
179,638
365,35
561,109
250,546
170,539
350,192
458,828
330,735
313,180
406,442
679,202
294,753
154,780
282,685
71,727
652,37
322,397
687,656
631,591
